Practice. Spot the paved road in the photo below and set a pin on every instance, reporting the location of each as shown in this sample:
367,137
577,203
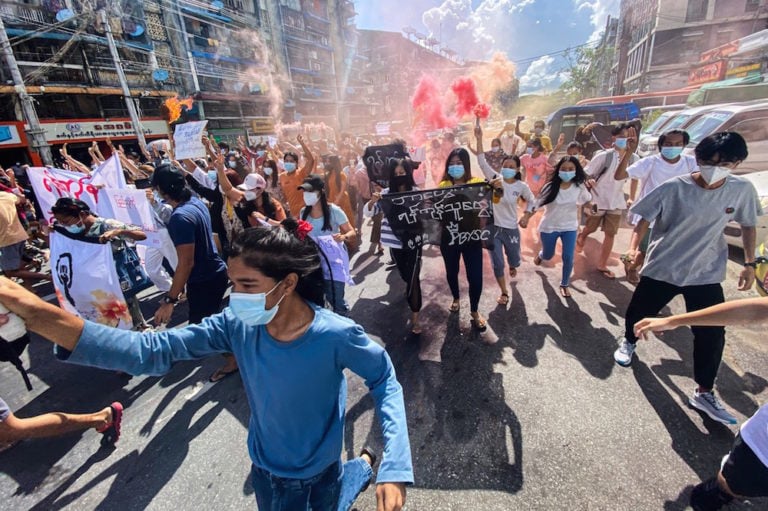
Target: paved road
534,414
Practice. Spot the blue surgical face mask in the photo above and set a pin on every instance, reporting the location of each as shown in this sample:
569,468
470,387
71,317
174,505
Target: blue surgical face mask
212,175
670,153
567,175
456,171
508,173
77,228
267,171
260,153
620,143
251,308
529,150
289,166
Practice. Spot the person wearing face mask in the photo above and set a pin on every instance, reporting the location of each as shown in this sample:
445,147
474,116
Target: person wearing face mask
687,254
458,172
505,221
330,230
493,157
272,177
407,260
294,176
608,193
561,198
292,354
338,184
650,172
253,204
538,132
536,169
76,217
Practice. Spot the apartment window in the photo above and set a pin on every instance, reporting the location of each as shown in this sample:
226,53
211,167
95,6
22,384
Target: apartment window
697,10
752,5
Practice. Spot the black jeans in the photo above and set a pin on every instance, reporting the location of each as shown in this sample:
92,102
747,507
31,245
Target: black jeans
204,298
473,265
651,296
408,263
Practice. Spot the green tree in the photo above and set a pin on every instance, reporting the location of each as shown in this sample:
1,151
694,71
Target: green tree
587,67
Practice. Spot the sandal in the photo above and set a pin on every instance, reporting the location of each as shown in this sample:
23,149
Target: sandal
455,306
537,261
503,299
565,292
221,374
608,274
512,273
111,431
478,324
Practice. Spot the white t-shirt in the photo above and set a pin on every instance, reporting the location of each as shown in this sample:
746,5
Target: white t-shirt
562,213
654,170
608,193
754,432
687,246
505,211
511,143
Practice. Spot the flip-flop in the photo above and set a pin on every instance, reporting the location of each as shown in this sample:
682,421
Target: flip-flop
503,299
479,324
223,375
608,274
111,431
455,306
512,273
537,261
565,292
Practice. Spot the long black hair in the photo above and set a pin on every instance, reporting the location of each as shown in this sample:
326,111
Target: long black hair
267,205
273,165
327,226
552,188
407,165
463,155
515,159
277,252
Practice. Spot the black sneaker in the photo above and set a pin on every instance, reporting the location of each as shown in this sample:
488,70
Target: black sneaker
708,496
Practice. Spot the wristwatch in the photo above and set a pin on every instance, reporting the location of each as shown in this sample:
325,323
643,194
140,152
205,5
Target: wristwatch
168,300
751,264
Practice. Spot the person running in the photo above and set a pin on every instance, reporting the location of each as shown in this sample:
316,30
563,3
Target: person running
330,229
458,172
608,196
744,470
650,172
687,254
506,236
561,198
292,354
407,259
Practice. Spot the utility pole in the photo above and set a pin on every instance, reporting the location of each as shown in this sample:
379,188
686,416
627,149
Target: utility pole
123,82
34,130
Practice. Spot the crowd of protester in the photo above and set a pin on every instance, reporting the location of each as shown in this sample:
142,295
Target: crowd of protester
279,223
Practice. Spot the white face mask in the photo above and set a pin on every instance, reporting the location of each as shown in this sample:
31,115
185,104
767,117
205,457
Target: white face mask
311,198
712,173
250,195
495,149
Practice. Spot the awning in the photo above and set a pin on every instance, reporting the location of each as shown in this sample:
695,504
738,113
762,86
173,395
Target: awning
745,80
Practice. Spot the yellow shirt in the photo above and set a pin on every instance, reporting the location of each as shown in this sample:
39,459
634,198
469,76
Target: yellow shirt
546,142
11,231
448,183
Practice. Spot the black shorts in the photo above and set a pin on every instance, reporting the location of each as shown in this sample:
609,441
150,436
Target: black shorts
744,472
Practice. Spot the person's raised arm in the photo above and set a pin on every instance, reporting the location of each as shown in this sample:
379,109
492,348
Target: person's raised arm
517,127
748,311
621,171
309,158
229,191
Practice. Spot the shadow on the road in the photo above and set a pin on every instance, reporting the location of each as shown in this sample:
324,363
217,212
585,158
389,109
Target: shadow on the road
464,435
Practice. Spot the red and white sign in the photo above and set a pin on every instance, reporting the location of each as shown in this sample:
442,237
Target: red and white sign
86,130
707,73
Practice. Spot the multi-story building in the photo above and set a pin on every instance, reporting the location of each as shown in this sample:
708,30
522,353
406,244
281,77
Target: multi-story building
659,41
606,51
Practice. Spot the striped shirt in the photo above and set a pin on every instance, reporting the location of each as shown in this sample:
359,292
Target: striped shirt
388,238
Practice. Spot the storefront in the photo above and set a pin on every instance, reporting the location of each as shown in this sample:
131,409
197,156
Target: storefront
13,144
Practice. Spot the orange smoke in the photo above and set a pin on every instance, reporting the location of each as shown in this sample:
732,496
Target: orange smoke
173,107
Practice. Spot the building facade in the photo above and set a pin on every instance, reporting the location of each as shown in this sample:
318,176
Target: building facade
660,41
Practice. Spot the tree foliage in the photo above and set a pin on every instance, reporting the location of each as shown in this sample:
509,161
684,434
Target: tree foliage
587,67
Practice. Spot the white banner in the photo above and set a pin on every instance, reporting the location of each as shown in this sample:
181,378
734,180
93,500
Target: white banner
133,208
86,281
187,140
109,174
51,184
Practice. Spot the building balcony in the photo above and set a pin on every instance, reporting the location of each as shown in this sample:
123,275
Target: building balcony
15,15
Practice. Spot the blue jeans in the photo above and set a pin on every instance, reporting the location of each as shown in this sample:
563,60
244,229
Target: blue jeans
505,240
334,489
568,244
334,294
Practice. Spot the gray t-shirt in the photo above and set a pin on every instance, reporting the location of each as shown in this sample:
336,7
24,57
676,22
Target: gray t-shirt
4,410
687,246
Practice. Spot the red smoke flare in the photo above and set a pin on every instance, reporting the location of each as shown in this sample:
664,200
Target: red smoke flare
427,102
466,95
482,110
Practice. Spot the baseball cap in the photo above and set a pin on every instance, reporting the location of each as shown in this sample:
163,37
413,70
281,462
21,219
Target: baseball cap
312,184
168,178
252,182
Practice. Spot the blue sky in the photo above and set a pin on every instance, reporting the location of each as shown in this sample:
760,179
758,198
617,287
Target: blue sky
526,30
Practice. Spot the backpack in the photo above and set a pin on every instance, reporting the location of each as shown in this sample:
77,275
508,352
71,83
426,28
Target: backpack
11,351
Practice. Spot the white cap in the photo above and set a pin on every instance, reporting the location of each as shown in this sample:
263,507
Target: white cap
253,181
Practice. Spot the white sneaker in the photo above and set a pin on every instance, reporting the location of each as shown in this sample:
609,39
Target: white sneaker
623,355
708,403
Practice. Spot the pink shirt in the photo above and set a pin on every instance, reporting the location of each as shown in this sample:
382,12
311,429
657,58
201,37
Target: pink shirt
536,171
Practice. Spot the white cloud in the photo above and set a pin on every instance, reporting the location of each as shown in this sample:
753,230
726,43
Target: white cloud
599,12
544,74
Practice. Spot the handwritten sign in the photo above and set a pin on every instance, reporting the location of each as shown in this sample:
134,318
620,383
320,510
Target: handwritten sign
50,184
376,159
449,216
187,139
132,207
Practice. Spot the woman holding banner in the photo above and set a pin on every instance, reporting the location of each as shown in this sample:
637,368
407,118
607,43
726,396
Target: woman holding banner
407,259
76,217
561,197
458,172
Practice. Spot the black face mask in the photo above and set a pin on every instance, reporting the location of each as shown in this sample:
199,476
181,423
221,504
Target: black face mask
397,181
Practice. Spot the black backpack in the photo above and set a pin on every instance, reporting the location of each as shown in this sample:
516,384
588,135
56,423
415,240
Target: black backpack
11,351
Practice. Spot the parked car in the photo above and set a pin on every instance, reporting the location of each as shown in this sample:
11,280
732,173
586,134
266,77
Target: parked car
750,120
652,132
733,230
648,145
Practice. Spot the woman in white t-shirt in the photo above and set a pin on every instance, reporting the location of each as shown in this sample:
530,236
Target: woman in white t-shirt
561,197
